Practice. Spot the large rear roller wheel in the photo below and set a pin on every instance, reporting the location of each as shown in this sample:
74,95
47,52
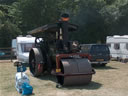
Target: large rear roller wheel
35,62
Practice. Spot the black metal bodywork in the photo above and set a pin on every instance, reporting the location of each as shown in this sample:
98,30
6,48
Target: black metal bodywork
56,54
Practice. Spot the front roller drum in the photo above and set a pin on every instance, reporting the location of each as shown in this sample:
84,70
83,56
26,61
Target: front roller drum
75,72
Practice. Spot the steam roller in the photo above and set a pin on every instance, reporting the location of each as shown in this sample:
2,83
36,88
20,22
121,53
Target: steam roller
55,54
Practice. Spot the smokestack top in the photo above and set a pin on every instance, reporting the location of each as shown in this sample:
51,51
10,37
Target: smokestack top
65,17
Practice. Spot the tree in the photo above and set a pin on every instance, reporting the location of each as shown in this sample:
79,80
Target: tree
90,21
96,18
121,27
8,30
35,13
7,1
30,14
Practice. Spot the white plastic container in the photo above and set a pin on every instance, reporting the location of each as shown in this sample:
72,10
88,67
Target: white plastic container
21,78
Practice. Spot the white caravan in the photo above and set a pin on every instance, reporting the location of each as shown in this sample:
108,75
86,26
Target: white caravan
14,46
118,46
24,44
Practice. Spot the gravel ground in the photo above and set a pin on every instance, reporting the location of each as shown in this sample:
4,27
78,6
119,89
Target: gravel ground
111,80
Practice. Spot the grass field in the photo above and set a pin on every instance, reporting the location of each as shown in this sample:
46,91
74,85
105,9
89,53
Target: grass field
111,80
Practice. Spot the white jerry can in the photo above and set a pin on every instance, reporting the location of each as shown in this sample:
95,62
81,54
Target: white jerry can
21,78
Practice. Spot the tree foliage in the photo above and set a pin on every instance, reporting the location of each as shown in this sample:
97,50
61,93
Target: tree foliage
91,22
96,18
8,30
7,1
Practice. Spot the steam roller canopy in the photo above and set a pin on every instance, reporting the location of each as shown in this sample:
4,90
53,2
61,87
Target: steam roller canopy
74,68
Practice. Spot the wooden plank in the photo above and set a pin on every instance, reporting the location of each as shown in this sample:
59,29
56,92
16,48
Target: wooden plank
6,48
8,53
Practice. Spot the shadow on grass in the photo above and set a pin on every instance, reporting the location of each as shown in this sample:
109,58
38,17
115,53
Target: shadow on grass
33,94
91,86
103,67
48,77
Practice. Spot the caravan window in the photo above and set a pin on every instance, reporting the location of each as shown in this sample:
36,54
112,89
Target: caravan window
27,46
127,46
117,46
84,48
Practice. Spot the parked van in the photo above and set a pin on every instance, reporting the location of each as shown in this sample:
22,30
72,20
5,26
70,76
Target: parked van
118,46
98,53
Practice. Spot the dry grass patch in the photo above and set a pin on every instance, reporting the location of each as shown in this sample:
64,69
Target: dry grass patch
108,81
